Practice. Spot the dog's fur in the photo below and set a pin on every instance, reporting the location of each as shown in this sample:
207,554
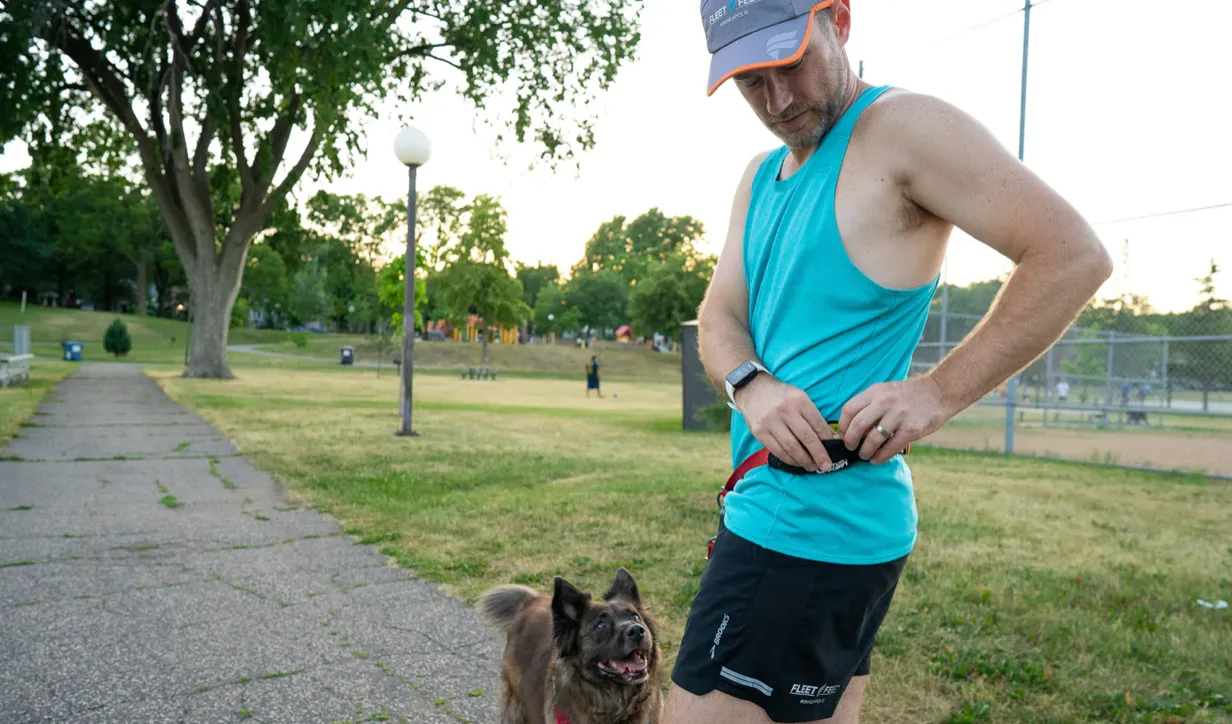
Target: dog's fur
560,652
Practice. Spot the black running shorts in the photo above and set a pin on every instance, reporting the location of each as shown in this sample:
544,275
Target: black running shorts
784,633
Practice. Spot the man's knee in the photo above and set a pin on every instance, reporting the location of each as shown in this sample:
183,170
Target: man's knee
716,707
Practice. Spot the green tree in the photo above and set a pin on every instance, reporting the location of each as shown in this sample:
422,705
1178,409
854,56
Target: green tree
1204,364
670,295
391,290
484,289
247,77
266,286
361,224
633,249
536,278
116,339
552,313
439,221
307,300
601,298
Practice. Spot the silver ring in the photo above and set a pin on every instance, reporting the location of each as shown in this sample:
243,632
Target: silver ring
883,431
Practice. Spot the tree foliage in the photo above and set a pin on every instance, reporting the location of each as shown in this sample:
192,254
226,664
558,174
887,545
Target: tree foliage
632,250
600,298
207,95
670,295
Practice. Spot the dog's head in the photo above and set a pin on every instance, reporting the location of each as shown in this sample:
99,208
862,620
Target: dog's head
612,638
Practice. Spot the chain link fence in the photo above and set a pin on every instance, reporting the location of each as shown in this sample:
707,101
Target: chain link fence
1138,401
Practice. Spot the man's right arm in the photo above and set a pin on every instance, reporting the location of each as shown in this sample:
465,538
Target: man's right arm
723,339
780,416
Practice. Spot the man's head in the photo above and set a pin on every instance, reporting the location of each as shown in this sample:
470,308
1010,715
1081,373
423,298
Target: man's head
786,57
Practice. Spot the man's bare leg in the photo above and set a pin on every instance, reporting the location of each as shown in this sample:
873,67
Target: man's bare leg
719,708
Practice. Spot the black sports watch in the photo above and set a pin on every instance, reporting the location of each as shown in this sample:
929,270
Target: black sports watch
742,376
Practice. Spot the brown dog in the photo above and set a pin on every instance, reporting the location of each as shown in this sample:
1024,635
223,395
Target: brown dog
571,659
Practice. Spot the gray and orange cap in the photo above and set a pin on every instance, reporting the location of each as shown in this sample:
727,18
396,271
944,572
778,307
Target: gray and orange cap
744,35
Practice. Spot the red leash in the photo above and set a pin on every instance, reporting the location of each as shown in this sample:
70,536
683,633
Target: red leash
757,459
561,717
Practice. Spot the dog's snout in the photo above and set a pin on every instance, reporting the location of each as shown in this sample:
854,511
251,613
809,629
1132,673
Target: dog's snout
637,632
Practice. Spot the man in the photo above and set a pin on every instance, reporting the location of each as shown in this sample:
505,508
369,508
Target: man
592,377
816,306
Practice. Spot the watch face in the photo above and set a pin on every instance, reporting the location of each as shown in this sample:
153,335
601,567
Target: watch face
742,374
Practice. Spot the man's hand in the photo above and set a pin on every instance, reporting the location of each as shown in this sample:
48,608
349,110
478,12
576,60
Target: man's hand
906,411
785,420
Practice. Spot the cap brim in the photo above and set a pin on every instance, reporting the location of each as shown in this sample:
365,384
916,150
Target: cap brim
777,45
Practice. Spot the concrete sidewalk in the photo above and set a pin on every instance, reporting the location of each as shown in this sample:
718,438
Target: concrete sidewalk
118,606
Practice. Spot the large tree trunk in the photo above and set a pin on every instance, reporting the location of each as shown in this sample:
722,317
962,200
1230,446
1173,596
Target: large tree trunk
214,291
143,288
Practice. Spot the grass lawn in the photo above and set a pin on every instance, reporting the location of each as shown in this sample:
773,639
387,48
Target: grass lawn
155,340
1039,592
616,361
18,403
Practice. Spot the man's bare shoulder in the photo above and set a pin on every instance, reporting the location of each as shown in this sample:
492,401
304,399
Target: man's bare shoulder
751,170
744,188
902,111
914,128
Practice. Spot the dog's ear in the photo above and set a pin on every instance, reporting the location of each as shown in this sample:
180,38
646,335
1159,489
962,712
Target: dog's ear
623,587
568,606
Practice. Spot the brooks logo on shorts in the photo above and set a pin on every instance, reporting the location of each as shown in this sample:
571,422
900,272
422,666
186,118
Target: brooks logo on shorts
718,635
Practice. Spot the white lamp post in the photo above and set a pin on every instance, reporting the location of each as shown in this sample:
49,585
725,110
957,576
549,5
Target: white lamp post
413,149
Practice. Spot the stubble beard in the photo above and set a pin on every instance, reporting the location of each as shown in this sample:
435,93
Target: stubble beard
827,112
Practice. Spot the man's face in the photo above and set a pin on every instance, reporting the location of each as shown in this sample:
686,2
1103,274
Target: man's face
800,103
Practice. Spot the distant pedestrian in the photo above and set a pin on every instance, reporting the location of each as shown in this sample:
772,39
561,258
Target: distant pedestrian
1062,391
592,377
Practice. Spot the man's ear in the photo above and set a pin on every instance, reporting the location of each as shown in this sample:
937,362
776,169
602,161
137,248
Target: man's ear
568,606
623,587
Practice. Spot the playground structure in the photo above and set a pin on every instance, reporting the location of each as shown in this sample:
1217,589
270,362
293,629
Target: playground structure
473,331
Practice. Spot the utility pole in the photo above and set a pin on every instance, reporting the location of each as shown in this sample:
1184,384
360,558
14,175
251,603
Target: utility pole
1026,48
1012,388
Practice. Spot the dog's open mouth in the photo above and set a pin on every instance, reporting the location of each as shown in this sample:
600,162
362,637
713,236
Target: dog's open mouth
630,669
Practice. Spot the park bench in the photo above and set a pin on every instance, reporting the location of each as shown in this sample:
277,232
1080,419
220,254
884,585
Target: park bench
478,373
14,368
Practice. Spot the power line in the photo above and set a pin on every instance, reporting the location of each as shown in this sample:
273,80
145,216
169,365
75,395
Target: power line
986,23
1176,212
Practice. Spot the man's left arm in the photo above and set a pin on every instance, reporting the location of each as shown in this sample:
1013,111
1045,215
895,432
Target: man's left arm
949,164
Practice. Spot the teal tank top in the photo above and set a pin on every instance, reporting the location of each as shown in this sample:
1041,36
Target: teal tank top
819,323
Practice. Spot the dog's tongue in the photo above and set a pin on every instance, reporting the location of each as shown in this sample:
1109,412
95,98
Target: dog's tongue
630,665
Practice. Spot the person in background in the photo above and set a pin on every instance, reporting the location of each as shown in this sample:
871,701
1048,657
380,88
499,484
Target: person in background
592,377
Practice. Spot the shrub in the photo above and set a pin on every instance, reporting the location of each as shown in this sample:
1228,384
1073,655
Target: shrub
116,340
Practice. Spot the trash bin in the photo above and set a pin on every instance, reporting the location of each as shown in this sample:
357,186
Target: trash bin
72,351
348,355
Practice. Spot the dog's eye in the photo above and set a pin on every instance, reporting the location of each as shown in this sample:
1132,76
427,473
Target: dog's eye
636,617
601,625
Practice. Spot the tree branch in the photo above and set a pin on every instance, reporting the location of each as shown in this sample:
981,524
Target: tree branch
293,176
243,20
446,61
199,29
394,13
421,50
99,75
193,194
200,172
279,136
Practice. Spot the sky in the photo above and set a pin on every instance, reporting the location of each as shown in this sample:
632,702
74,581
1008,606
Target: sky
1127,115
